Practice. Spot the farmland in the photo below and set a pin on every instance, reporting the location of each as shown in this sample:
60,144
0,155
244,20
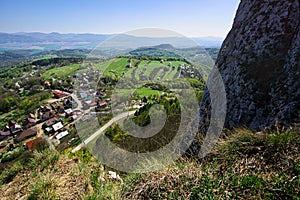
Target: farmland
141,72
61,72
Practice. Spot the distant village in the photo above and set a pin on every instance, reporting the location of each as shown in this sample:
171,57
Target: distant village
53,123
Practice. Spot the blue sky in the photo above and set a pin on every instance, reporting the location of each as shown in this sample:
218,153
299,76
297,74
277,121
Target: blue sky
188,17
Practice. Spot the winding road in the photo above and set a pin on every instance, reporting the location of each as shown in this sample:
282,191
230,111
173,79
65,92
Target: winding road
102,129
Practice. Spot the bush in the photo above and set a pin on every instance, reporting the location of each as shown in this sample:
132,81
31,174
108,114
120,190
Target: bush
6,156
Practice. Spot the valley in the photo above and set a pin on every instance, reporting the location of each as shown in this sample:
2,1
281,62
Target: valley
95,105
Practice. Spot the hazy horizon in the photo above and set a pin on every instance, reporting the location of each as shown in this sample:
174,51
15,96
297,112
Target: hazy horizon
194,18
108,34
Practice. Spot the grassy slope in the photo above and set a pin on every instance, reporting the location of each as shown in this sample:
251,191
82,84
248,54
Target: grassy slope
114,65
64,71
243,165
152,66
141,67
146,92
118,65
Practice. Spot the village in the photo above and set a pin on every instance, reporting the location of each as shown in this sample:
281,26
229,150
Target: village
76,99
52,125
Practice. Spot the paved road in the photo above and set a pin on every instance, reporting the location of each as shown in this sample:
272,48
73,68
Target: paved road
102,129
79,104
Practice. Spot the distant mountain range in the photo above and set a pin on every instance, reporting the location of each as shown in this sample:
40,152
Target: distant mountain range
57,41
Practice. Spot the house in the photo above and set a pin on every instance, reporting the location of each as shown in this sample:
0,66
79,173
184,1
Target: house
83,95
26,134
16,129
28,122
13,127
61,117
144,99
35,144
49,122
30,115
4,134
60,109
47,108
61,135
73,117
47,126
58,94
47,84
69,112
68,103
85,80
47,115
91,102
57,126
49,130
102,104
128,65
77,75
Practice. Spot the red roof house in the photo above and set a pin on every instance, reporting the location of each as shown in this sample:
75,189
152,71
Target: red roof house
35,144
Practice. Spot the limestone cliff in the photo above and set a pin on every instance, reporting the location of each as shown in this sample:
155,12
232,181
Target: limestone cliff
260,65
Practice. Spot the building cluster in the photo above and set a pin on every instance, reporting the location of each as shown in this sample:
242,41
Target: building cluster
49,120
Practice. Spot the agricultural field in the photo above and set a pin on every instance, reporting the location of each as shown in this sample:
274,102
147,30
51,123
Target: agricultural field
155,70
146,92
117,66
61,72
150,69
140,71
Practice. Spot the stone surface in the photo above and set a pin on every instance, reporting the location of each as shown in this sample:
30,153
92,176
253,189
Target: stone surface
260,65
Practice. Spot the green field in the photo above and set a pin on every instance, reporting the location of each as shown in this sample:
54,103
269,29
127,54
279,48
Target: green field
146,92
103,65
117,66
45,57
140,92
154,70
61,72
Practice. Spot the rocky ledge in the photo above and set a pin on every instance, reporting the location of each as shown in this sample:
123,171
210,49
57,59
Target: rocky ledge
260,65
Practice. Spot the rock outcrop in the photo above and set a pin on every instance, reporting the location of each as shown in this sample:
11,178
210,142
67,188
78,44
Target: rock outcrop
260,65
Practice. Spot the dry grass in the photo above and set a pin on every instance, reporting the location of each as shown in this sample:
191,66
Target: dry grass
50,175
46,182
243,165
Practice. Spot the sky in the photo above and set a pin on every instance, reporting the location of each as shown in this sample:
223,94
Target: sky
191,18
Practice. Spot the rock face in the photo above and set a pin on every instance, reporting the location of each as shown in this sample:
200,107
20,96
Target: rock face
260,65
